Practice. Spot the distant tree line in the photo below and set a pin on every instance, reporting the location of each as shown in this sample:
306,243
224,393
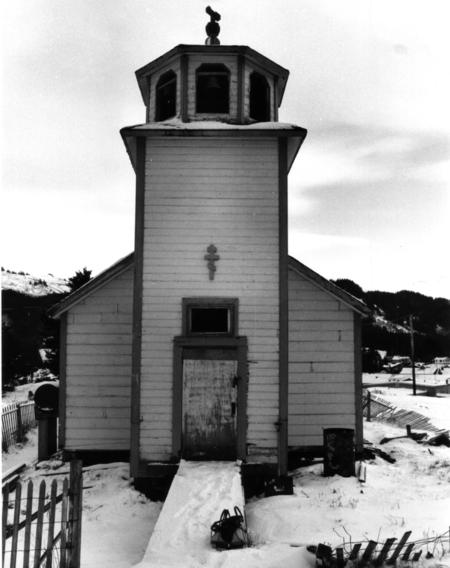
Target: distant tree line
26,327
27,330
431,321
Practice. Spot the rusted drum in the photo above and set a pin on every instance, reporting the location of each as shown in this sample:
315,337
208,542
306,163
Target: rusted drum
339,452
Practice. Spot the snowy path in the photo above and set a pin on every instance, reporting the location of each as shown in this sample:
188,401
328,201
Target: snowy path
199,493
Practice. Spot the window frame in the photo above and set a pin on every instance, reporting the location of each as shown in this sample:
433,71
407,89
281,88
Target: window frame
256,74
206,70
164,81
231,304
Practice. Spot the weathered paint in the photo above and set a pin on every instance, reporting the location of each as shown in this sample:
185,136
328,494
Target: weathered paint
209,409
198,192
321,363
98,368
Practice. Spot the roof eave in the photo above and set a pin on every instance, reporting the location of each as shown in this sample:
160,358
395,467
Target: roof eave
327,286
295,134
90,287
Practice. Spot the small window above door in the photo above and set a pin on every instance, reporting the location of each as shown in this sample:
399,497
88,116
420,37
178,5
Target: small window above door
210,316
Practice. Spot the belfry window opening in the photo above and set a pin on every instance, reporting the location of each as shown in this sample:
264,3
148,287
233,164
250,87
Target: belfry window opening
166,96
259,98
213,89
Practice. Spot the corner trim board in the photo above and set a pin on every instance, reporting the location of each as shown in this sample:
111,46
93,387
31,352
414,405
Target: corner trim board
358,383
283,363
137,308
62,381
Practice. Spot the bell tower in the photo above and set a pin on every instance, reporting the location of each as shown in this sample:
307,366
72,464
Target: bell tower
210,318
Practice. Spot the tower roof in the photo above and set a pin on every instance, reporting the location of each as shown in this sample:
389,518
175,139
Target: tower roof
280,73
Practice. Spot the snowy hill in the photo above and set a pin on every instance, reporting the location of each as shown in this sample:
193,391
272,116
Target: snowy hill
33,285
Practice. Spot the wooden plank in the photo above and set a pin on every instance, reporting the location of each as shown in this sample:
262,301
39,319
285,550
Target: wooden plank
51,524
317,400
76,488
340,558
369,550
318,347
64,512
110,401
385,550
39,524
322,389
28,513
16,521
318,357
355,551
141,157
100,349
399,547
321,367
408,551
5,497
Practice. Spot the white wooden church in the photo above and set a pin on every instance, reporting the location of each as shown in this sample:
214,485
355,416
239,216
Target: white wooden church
209,341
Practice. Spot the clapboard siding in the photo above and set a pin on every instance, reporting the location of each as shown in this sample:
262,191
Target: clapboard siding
234,205
321,363
98,368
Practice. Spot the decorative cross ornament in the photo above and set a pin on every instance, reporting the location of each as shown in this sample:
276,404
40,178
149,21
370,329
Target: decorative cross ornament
212,27
211,257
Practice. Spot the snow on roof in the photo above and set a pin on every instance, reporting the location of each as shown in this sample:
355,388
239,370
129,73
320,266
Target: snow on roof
178,124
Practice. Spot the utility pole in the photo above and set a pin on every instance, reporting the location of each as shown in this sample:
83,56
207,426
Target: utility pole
411,331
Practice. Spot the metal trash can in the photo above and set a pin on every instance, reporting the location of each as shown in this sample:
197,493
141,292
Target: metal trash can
339,452
46,408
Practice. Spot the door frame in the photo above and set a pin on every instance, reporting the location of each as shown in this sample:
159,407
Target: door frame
239,344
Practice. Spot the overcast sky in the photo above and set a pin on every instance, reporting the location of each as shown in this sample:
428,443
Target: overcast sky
369,192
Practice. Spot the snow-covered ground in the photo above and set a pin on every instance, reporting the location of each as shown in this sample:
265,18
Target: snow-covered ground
411,494
436,406
33,285
426,376
20,393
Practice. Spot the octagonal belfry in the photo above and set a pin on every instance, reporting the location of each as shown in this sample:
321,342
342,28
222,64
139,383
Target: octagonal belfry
232,84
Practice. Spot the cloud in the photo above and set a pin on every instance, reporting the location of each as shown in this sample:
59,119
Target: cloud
383,145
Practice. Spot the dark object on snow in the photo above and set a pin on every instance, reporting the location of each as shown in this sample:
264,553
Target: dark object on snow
383,455
283,485
46,406
371,453
416,436
393,368
339,452
441,439
46,400
230,531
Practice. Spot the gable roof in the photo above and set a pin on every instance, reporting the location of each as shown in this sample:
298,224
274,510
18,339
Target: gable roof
127,262
334,290
92,286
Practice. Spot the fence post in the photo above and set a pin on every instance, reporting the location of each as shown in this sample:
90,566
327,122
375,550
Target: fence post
20,434
369,417
75,512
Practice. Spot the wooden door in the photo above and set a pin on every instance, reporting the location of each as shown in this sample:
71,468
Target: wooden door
209,404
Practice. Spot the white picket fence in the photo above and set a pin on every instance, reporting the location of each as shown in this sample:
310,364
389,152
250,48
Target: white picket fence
17,419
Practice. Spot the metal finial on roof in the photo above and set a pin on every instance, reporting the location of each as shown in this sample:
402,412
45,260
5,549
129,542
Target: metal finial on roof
212,27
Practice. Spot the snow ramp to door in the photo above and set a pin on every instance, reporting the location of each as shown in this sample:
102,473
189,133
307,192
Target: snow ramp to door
197,496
